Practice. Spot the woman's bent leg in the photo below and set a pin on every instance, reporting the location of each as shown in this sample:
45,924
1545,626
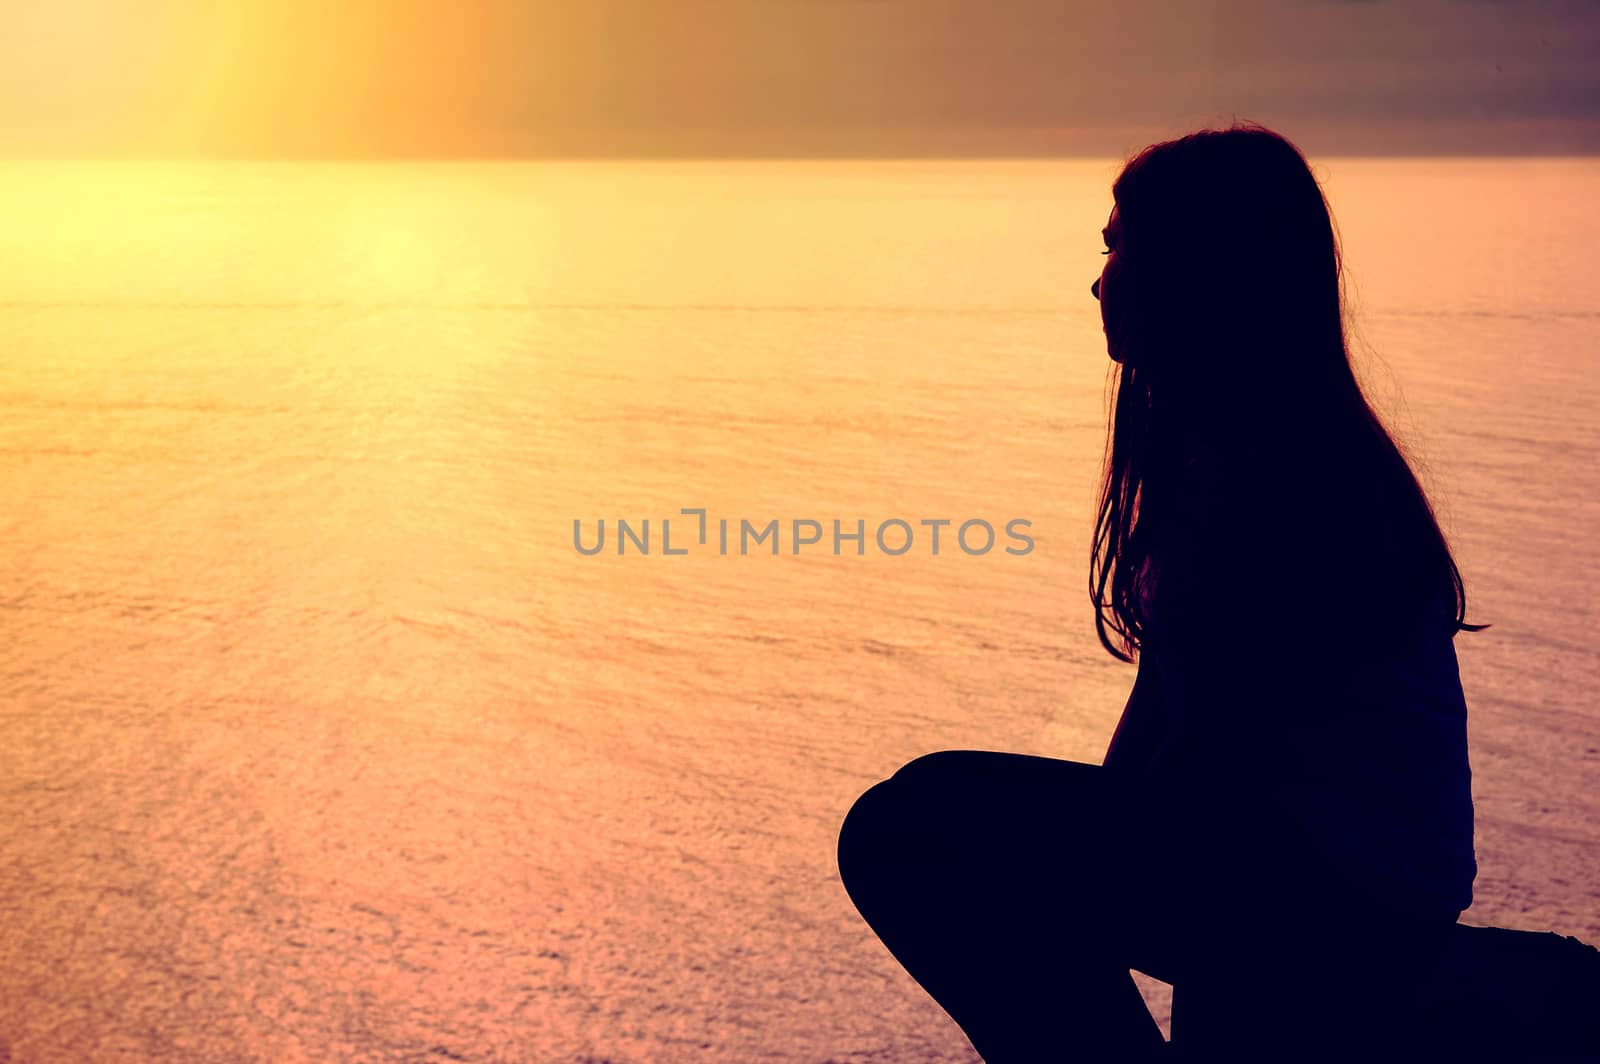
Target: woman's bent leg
994,879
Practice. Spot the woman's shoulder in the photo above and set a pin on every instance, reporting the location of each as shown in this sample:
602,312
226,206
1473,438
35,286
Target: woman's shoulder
1290,605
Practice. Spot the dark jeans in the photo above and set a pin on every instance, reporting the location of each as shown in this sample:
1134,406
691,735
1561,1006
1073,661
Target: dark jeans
1020,891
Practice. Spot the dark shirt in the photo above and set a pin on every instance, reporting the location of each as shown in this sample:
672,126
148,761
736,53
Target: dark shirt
1316,769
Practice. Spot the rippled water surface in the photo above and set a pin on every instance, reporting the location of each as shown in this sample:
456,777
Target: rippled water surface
322,741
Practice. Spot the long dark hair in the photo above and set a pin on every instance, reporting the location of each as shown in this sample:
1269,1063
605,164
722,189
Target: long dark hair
1240,437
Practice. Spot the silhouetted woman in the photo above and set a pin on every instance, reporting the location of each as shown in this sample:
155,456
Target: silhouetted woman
1282,828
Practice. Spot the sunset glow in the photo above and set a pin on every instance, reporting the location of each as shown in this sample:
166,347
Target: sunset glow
493,78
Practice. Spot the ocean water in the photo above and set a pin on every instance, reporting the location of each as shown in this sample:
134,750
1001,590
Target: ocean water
322,740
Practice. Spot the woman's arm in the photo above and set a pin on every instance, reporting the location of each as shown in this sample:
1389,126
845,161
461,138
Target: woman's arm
1255,691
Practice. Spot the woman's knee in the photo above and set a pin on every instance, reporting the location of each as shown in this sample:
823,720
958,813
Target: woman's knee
938,772
891,813
862,826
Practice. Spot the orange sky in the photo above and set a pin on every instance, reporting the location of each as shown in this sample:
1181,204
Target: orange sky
787,77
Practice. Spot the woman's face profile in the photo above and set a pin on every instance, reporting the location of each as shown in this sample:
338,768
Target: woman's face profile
1105,288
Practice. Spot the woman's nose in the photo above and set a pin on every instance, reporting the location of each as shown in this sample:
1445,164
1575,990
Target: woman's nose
1094,289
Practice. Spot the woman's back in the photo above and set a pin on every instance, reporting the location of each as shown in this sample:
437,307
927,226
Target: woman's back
1323,776
1298,699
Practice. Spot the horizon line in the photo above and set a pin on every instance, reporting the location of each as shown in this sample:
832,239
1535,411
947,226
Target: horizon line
1576,153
